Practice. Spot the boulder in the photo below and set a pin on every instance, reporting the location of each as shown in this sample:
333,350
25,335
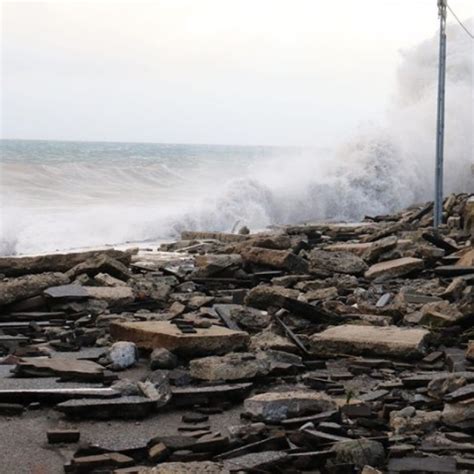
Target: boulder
379,247
394,268
417,422
15,289
233,366
250,319
440,386
359,452
277,406
16,266
356,248
269,339
468,217
326,263
118,295
162,358
280,259
101,264
470,351
104,279
371,340
211,265
122,355
459,415
163,334
440,313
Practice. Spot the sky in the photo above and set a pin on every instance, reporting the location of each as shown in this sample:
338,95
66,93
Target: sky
246,72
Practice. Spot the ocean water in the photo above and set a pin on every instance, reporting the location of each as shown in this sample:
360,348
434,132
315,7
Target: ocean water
69,195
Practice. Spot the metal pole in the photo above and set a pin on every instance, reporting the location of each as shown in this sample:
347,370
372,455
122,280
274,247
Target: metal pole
438,202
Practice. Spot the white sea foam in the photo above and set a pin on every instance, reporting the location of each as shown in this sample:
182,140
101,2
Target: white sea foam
132,195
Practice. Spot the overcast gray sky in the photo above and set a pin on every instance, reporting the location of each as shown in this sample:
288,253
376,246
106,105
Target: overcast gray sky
276,72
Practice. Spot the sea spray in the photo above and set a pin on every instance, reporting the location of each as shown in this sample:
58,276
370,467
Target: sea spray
59,195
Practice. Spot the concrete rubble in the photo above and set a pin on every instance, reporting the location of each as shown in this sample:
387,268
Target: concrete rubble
321,347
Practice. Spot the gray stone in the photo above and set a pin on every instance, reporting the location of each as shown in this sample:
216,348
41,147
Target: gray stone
66,292
122,355
162,358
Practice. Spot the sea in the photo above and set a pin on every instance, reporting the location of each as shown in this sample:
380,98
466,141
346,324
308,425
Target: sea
67,195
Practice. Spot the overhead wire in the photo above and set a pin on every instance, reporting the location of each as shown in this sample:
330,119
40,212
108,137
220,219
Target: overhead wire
460,22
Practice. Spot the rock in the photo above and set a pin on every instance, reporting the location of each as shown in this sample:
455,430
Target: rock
276,297
322,294
158,452
119,295
440,313
16,266
440,386
468,217
122,355
15,289
280,259
423,464
104,279
394,268
162,334
470,351
162,358
359,452
66,292
459,415
233,366
249,318
378,248
373,340
96,461
326,263
101,264
358,249
67,368
244,230
263,297
212,265
269,339
420,422
277,406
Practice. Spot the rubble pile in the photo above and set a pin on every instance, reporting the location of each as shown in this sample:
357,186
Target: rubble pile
312,348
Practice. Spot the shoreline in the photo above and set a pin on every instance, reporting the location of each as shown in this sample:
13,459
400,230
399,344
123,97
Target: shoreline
312,346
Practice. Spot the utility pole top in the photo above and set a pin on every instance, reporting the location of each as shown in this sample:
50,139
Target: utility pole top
442,5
